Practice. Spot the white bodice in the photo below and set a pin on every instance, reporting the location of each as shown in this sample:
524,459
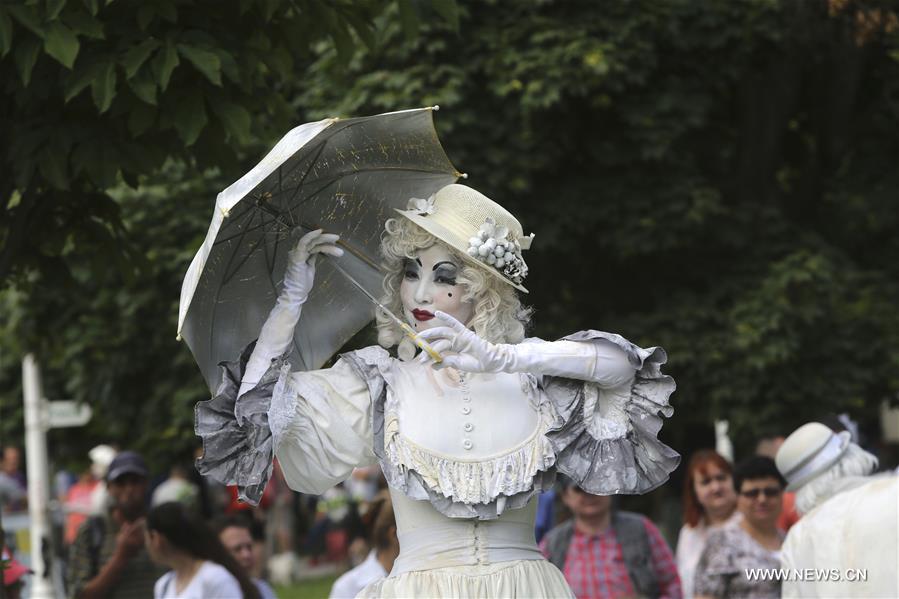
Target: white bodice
466,416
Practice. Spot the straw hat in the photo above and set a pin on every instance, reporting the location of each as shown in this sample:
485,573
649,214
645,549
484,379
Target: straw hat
809,451
482,230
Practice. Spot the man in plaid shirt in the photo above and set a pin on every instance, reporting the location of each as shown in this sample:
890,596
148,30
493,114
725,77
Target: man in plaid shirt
610,554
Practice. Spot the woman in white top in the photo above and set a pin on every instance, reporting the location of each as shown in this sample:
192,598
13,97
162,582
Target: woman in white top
709,503
385,549
201,566
465,444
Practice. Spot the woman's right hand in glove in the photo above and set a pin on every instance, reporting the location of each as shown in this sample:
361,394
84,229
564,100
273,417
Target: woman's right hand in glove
300,272
277,332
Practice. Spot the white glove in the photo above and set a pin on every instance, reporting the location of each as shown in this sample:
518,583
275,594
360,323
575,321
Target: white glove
602,363
277,332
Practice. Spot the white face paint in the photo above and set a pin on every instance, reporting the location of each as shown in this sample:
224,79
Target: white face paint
429,284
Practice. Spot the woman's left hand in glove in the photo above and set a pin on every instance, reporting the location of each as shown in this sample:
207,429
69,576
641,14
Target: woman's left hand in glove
463,349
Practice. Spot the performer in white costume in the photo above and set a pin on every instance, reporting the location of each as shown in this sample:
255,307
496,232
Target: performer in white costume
465,444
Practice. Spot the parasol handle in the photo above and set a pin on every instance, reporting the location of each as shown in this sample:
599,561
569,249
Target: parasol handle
424,345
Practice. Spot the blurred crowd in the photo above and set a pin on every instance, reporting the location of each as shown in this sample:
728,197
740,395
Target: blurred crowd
123,532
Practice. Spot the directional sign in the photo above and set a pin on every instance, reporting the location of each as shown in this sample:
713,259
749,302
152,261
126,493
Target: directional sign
66,413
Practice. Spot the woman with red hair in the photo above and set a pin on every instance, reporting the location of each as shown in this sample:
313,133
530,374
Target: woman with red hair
709,502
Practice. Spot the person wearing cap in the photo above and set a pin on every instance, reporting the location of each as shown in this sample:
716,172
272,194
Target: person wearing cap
607,553
465,443
848,529
108,558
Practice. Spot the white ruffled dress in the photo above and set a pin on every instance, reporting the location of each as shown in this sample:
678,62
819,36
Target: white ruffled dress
463,453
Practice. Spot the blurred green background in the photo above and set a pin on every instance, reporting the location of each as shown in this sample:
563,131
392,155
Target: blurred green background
719,178
318,588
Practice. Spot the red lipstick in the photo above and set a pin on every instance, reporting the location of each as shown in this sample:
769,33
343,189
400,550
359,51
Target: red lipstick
422,315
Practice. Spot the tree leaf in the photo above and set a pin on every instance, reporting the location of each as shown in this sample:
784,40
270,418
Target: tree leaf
137,56
84,24
26,53
190,117
362,28
269,8
205,61
164,63
279,59
235,118
229,65
408,19
343,41
53,164
5,34
103,87
449,10
146,12
140,118
98,160
77,80
167,10
92,5
61,44
54,7
144,87
28,17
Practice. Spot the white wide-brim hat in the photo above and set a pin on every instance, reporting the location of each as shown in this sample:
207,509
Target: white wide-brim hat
809,451
483,231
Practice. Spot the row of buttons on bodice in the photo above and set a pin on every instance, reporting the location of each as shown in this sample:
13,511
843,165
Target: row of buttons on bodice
466,410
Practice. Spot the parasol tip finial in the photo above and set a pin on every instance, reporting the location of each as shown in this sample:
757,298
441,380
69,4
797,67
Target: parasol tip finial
435,107
463,175
178,337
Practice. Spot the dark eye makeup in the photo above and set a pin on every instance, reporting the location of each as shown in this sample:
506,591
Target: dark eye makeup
445,273
410,270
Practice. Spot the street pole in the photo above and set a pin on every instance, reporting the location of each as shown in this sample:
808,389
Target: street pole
38,477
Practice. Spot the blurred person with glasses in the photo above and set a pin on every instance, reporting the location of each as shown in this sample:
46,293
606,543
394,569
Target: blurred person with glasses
750,545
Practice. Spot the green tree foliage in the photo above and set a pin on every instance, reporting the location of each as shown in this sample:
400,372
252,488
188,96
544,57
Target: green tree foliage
94,91
718,178
118,117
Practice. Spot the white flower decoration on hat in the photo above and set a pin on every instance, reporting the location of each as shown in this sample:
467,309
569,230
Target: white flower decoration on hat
421,206
492,246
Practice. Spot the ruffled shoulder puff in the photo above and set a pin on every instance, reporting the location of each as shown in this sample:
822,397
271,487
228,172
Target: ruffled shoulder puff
607,441
604,439
237,440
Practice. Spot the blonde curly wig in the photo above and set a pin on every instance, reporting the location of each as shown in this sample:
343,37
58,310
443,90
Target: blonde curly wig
499,316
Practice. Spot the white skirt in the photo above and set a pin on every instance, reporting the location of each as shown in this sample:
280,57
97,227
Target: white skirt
531,579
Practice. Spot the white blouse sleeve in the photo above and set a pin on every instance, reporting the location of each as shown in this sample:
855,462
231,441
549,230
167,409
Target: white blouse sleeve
321,422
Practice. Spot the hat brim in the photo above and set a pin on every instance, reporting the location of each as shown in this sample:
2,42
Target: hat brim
455,242
845,438
113,475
